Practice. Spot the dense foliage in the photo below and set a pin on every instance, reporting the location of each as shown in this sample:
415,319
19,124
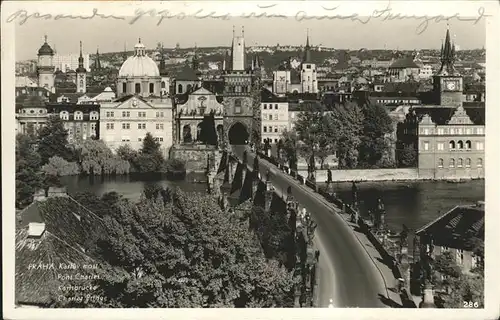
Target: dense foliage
185,252
57,166
96,158
53,141
359,136
28,177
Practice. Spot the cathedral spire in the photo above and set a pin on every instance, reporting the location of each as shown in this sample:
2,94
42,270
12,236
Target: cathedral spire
195,62
447,55
307,50
80,58
97,60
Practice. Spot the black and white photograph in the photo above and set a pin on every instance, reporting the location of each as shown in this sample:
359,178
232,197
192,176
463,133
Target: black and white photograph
303,156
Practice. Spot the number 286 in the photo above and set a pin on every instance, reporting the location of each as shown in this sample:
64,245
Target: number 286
470,304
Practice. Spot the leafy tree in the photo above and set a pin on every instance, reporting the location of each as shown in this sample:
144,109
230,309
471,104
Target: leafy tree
348,121
408,156
125,152
376,125
57,166
290,145
150,158
149,145
97,159
28,178
53,141
185,253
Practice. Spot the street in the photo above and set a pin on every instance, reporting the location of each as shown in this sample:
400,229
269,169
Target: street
347,274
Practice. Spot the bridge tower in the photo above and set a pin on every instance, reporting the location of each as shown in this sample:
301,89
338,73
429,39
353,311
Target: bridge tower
238,84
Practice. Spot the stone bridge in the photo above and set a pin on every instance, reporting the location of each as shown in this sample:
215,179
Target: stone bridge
347,272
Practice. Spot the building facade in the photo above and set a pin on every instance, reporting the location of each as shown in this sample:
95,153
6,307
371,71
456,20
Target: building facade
81,120
45,68
31,114
453,150
189,115
68,62
274,116
128,119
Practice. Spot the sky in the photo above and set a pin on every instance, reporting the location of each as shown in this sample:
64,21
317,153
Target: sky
113,35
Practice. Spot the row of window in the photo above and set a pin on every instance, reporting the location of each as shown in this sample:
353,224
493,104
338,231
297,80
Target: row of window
270,106
140,126
459,145
275,140
271,129
126,139
140,114
441,131
460,163
270,117
78,115
93,126
138,87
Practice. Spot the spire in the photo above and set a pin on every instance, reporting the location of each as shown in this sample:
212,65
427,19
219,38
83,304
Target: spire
447,55
81,68
45,37
195,62
162,58
97,60
307,50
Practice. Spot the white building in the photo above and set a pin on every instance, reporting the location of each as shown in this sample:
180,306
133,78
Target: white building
127,120
238,50
274,116
68,62
425,72
45,67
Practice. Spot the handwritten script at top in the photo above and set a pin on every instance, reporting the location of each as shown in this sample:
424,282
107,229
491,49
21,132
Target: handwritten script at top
386,14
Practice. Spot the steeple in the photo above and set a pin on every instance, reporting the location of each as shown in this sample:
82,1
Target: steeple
162,58
81,67
307,50
97,60
195,62
447,56
124,56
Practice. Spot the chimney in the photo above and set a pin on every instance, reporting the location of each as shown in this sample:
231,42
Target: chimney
36,230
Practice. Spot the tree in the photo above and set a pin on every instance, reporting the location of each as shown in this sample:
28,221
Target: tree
348,120
408,156
53,141
97,159
28,178
57,166
125,152
185,253
377,125
150,158
290,143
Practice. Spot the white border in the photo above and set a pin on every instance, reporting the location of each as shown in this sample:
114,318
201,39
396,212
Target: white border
236,8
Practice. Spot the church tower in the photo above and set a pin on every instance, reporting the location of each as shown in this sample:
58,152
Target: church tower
448,83
308,73
45,67
81,74
238,84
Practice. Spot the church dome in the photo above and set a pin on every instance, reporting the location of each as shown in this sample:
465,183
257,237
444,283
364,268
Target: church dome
139,65
45,49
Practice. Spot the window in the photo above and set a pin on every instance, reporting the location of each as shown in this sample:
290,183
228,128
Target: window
137,88
460,256
237,106
440,146
94,115
452,163
440,131
163,84
308,66
141,114
78,115
479,162
459,130
275,129
480,130
141,126
159,114
92,126
124,87
452,131
139,139
125,114
125,126
468,131
467,163
110,114
265,129
480,145
445,249
276,106
159,139
275,140
426,131
452,144
110,126
64,115
151,88
460,144
179,88
275,117
460,163
426,145
159,126
440,163
125,139
265,106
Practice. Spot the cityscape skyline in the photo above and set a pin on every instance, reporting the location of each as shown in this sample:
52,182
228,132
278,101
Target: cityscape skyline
29,36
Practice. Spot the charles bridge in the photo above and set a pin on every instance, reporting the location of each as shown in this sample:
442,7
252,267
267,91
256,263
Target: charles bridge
356,269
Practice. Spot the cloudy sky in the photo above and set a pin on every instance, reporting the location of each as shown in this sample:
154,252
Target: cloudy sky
112,35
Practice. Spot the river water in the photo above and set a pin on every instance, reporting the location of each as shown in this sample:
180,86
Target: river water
411,203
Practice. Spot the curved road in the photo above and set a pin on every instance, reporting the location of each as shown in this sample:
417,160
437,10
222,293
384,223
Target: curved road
347,273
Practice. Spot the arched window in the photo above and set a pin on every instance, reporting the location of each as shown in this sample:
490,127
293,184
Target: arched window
479,162
237,106
460,162
137,88
151,88
468,144
78,115
124,87
189,87
452,163
467,163
460,144
163,84
440,163
452,144
64,115
179,88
